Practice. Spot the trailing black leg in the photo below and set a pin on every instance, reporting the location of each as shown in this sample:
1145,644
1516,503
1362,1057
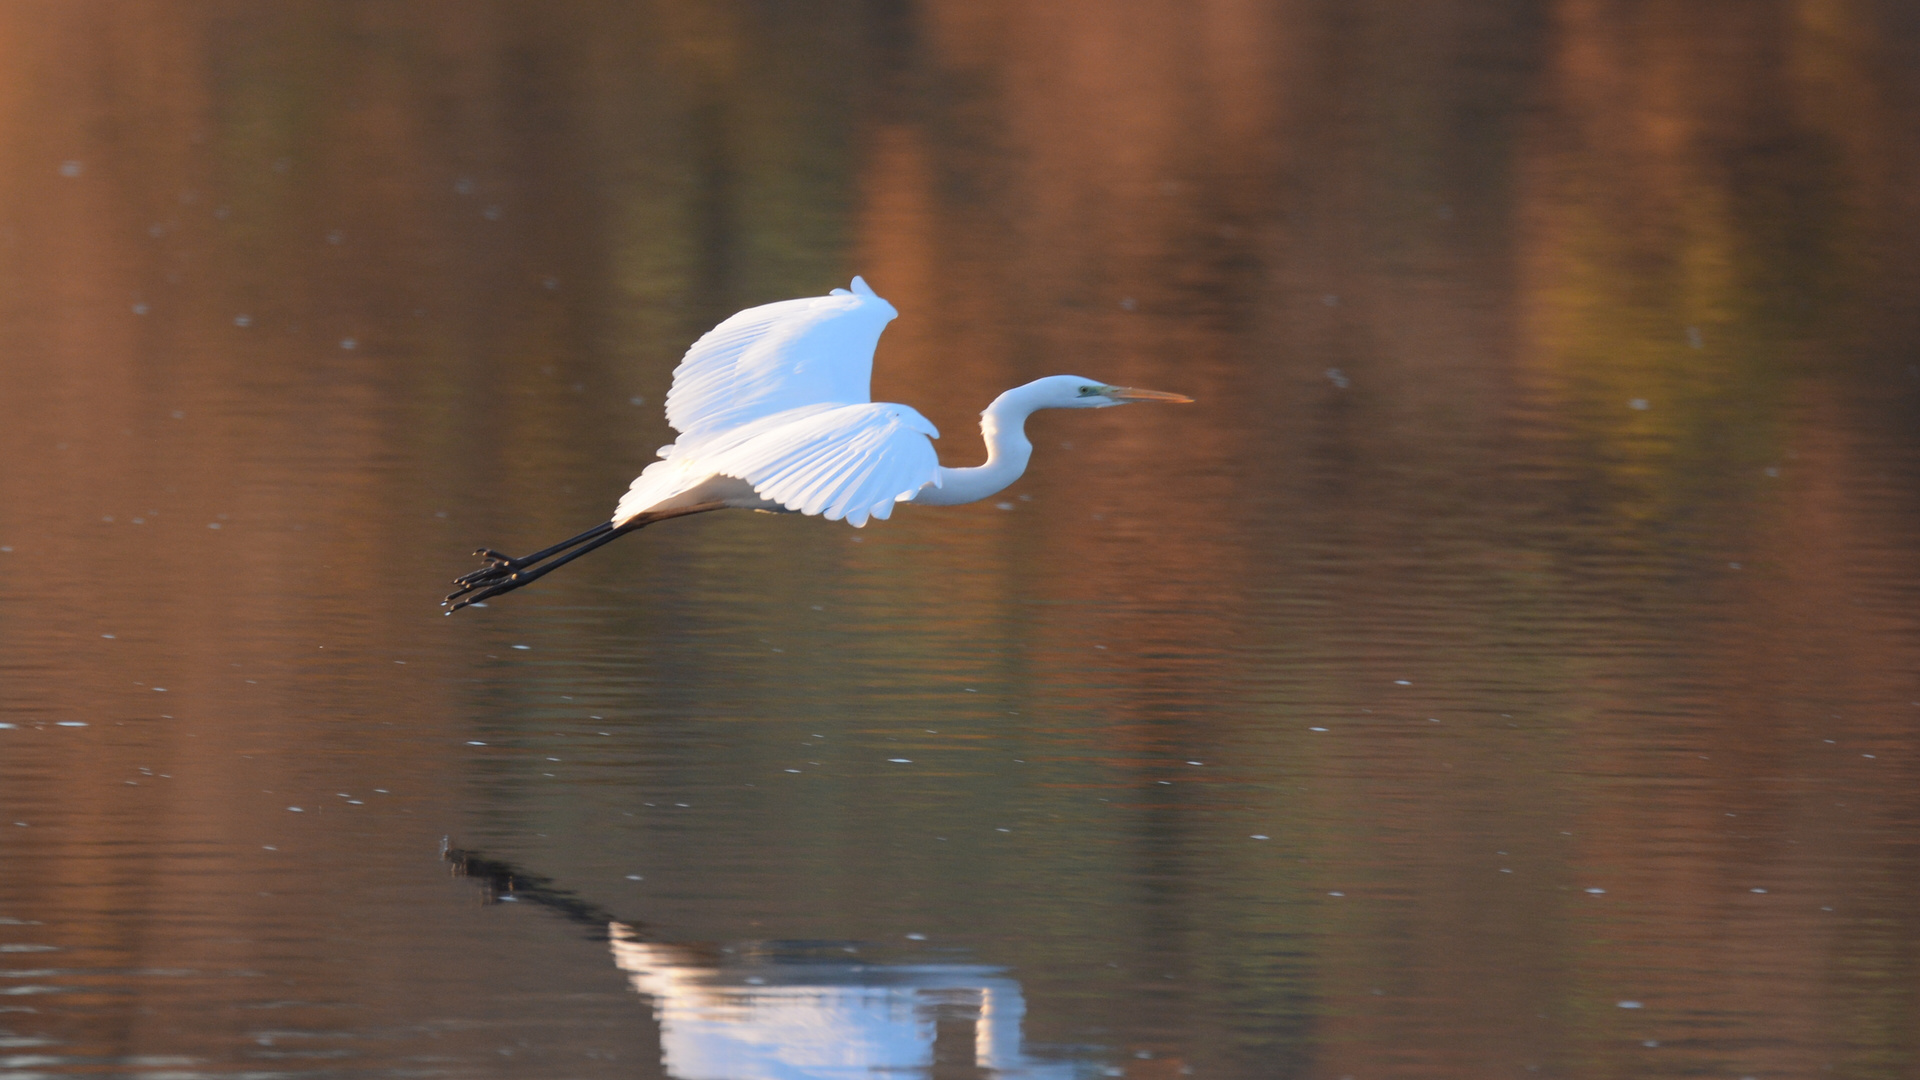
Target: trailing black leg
499,564
477,591
503,573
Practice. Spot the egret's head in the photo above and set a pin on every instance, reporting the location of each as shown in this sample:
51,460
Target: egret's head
1076,392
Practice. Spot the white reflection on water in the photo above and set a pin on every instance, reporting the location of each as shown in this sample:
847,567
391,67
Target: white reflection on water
783,1011
754,1017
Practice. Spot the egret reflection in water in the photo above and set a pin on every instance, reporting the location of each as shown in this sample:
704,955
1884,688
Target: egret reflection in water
789,1010
746,1014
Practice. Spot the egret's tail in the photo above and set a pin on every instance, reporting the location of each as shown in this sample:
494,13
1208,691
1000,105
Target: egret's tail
504,573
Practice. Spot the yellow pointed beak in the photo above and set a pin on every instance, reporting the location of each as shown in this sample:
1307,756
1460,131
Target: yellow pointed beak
1130,393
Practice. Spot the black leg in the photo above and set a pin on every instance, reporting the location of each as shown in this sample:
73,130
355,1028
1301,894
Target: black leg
503,573
481,590
499,565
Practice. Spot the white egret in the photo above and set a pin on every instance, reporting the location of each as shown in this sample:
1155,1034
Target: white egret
774,413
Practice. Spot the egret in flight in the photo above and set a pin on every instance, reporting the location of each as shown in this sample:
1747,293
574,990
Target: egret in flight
774,413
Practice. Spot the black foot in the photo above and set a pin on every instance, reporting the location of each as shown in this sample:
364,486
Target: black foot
504,573
481,590
498,576
498,566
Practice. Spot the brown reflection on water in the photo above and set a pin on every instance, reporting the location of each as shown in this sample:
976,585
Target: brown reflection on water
1556,453
1705,251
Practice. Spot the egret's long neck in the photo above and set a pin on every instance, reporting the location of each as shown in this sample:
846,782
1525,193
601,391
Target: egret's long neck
1003,426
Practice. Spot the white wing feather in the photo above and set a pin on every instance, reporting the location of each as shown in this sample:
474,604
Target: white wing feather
777,357
851,462
779,396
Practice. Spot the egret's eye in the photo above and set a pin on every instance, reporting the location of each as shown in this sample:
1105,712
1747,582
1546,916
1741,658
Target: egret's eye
1089,391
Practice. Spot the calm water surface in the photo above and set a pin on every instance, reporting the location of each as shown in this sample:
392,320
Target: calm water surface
1511,667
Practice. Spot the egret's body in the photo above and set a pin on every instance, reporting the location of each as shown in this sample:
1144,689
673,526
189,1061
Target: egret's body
774,414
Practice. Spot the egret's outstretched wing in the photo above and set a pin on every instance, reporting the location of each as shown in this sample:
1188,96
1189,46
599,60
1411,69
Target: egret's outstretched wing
850,462
777,357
